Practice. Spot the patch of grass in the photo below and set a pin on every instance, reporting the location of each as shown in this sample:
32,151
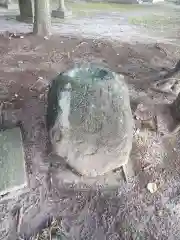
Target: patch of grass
84,9
106,6
151,20
155,20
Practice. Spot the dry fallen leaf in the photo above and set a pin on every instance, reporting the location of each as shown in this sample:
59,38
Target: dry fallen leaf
152,187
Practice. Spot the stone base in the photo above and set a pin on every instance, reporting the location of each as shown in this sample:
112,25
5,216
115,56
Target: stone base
61,13
24,19
64,175
4,5
12,163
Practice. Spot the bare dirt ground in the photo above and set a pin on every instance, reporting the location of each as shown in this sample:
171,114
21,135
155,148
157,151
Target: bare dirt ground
120,210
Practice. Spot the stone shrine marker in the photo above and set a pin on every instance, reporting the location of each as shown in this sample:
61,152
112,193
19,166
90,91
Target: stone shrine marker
12,164
89,119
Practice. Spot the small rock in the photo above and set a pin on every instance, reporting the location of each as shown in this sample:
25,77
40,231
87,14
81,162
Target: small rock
21,37
152,187
16,95
46,38
160,213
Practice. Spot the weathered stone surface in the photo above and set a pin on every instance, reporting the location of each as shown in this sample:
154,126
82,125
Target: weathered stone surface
89,119
12,165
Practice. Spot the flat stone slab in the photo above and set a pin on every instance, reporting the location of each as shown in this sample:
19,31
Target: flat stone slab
12,164
61,13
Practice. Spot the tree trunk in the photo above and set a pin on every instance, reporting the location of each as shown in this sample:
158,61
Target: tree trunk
25,7
42,18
